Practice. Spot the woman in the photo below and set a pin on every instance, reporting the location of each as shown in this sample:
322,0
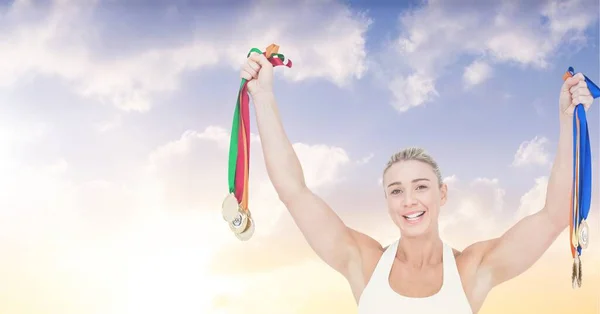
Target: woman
418,273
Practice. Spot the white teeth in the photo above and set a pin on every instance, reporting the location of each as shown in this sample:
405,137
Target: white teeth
414,216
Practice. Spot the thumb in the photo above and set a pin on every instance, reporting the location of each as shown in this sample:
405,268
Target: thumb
260,59
572,81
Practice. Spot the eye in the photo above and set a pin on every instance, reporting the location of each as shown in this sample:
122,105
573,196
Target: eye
395,191
421,187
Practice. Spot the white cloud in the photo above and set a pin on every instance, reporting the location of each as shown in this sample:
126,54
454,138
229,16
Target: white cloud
325,42
321,163
534,199
135,239
533,152
442,33
23,130
366,159
476,73
450,180
108,125
477,206
193,169
412,91
324,38
59,44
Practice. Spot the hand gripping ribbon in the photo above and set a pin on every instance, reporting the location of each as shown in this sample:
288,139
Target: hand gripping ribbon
582,182
235,206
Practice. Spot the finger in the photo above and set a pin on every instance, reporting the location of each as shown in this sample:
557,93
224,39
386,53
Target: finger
245,75
579,77
255,66
570,82
260,59
588,103
250,70
584,100
580,85
581,92
573,80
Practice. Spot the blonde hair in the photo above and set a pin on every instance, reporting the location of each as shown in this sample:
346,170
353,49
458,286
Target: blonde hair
418,154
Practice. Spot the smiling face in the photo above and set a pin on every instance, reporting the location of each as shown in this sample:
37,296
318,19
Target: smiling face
414,196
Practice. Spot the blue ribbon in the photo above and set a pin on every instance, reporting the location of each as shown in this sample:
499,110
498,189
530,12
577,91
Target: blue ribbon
585,157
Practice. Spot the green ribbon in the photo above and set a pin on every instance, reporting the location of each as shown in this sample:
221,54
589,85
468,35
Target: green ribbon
234,139
233,142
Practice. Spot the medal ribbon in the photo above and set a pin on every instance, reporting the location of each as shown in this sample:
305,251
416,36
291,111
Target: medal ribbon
239,143
582,167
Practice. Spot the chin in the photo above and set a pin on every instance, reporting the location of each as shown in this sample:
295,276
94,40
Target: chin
414,227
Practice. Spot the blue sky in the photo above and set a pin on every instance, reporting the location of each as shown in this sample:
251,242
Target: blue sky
123,30
109,111
472,132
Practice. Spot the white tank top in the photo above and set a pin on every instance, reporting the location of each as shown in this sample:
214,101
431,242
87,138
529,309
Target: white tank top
379,298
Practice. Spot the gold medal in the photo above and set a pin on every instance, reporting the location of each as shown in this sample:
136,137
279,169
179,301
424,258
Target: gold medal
248,233
240,223
230,207
575,274
583,234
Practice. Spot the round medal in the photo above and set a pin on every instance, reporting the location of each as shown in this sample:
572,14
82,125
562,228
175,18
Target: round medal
583,234
230,207
239,223
248,233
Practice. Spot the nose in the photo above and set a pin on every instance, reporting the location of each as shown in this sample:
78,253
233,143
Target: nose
409,199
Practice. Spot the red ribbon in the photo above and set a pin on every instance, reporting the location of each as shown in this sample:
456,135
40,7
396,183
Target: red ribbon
240,172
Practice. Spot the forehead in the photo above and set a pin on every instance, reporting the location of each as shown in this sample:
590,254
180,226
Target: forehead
406,171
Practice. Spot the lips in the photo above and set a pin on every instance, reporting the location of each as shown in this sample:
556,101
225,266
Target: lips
414,216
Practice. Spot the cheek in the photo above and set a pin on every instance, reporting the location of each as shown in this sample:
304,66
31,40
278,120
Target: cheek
394,203
431,199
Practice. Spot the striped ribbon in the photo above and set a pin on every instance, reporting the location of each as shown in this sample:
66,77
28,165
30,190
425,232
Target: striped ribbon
582,169
239,143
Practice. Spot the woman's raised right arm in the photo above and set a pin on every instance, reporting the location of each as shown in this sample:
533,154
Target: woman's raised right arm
335,243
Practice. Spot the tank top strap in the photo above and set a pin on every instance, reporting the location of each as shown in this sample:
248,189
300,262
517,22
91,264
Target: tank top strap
384,266
451,275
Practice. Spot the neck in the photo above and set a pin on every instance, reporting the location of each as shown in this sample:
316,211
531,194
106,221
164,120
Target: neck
421,251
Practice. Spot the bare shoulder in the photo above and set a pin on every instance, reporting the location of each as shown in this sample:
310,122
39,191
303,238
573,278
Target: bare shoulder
475,281
363,263
369,251
365,242
473,254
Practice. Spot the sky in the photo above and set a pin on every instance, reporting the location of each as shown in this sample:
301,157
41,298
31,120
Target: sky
114,132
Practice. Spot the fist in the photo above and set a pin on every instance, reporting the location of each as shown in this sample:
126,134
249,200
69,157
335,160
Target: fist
574,92
258,71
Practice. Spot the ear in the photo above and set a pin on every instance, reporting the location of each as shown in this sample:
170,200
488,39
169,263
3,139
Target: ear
444,194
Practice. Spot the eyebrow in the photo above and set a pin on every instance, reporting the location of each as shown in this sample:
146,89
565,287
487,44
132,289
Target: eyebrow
413,181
